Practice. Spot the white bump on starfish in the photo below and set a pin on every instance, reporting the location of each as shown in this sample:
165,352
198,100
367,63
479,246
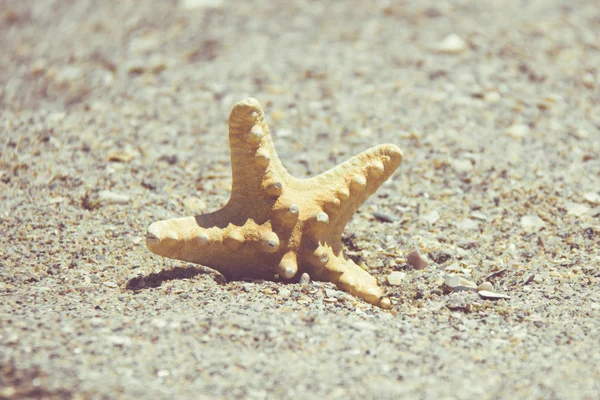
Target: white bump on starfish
288,267
321,255
322,217
256,134
357,183
202,238
273,188
275,224
262,157
269,242
343,194
376,169
234,238
332,205
287,213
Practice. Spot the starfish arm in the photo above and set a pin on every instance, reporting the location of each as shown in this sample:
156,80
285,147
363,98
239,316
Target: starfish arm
257,171
247,251
343,189
346,275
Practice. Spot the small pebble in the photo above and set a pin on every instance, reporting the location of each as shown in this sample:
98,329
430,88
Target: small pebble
119,340
395,278
431,217
518,131
462,166
456,283
382,217
196,4
529,280
385,303
576,209
451,281
158,323
98,198
123,156
194,204
486,286
452,44
479,215
589,80
163,373
415,260
468,224
492,97
532,223
108,197
592,197
304,279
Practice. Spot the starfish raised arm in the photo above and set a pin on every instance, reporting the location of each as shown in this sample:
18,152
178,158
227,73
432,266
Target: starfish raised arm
275,226
255,167
343,189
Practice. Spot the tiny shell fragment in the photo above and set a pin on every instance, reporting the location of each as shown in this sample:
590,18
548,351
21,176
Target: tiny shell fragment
486,286
467,283
121,156
492,295
198,4
98,198
382,217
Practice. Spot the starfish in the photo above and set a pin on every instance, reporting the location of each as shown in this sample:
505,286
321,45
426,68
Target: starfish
275,226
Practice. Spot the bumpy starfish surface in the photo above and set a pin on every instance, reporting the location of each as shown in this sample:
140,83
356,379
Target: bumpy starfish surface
276,226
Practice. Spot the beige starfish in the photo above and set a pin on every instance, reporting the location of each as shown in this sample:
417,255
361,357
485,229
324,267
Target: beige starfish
276,226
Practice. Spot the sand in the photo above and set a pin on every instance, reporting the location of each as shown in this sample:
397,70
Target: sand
113,115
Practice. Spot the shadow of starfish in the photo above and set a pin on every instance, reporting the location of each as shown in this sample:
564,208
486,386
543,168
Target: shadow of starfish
156,279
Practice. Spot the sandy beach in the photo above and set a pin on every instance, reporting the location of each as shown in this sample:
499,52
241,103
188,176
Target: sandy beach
113,115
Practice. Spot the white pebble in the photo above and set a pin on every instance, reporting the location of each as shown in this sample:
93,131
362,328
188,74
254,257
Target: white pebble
304,279
107,197
532,223
592,197
193,4
462,166
468,225
479,215
194,204
576,209
451,281
452,44
518,131
395,278
431,217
